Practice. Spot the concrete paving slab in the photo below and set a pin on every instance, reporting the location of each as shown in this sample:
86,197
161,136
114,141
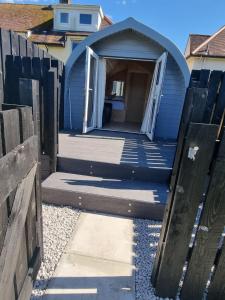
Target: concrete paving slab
105,237
83,277
98,261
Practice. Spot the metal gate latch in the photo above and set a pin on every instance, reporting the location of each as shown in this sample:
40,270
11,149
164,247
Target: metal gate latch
192,152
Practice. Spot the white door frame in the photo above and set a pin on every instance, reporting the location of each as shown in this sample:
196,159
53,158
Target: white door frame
152,107
90,53
101,90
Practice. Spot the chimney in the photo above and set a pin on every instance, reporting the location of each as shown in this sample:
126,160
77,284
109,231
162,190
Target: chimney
65,1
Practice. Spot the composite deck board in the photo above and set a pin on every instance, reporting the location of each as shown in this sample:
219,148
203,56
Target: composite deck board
126,189
112,172
117,148
121,197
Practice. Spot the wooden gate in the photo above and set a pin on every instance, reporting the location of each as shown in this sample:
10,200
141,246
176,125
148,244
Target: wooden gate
20,204
191,251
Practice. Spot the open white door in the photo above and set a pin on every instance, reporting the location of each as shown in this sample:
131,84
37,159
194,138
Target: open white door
101,90
152,107
90,109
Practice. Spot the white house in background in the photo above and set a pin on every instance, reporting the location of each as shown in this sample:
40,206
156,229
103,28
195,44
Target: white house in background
206,51
55,28
83,18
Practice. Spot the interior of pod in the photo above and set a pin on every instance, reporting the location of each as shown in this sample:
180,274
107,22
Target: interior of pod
127,88
126,78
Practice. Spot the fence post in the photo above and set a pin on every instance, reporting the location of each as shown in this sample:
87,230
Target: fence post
51,128
29,95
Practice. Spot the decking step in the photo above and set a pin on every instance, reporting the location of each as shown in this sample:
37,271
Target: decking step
121,197
126,170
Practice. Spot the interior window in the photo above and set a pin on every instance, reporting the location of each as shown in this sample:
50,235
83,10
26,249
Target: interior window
118,88
85,19
64,18
74,44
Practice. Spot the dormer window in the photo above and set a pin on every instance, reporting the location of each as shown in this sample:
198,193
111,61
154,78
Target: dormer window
64,18
85,19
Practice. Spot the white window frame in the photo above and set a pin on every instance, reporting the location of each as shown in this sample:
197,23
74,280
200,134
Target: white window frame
86,24
60,15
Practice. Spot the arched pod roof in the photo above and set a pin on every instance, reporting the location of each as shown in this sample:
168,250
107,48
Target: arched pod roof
132,24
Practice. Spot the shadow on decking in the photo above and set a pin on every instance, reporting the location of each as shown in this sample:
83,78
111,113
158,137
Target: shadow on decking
122,148
127,189
142,152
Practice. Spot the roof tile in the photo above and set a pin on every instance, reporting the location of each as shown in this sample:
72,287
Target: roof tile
38,19
23,17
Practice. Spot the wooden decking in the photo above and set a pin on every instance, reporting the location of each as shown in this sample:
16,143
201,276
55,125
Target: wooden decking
112,172
117,148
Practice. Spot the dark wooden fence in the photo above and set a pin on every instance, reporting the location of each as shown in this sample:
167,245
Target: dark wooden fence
21,60
20,203
16,45
191,250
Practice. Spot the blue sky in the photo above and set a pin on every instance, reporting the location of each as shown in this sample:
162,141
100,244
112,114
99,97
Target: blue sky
173,18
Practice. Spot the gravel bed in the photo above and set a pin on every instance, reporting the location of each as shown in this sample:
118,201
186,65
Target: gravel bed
58,226
146,240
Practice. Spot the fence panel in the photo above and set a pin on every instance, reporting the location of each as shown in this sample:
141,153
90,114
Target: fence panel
199,181
186,202
194,106
21,246
209,232
19,58
49,96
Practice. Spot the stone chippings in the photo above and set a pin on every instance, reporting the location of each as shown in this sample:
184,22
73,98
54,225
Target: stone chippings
58,226
147,234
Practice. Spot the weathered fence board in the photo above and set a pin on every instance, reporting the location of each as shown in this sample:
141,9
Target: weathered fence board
214,83
20,226
203,78
209,232
20,59
51,113
5,45
15,165
218,112
43,97
184,210
10,251
217,287
193,111
12,134
1,77
27,287
201,181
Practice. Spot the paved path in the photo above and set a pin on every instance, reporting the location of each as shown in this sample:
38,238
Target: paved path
98,262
